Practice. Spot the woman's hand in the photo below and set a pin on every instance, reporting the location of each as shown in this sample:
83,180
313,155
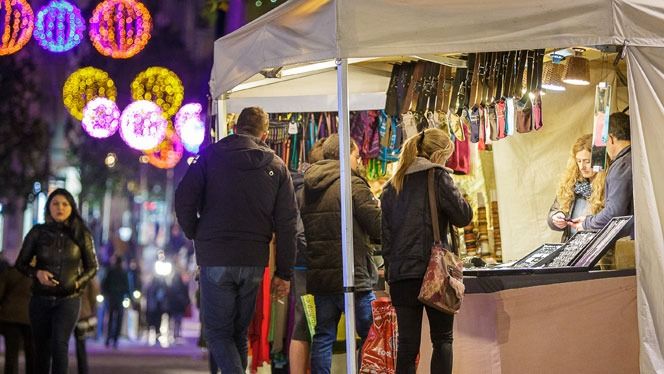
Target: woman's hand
558,220
577,223
46,278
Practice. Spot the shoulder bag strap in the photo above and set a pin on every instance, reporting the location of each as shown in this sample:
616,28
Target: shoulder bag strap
433,207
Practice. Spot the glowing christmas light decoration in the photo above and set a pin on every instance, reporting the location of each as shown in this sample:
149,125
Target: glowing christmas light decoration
160,86
59,26
84,85
17,22
190,127
120,28
168,153
142,125
101,118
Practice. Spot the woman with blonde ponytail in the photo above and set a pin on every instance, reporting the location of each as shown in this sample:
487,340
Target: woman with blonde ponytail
407,236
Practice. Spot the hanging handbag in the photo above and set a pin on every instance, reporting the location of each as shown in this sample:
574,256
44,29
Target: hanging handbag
442,287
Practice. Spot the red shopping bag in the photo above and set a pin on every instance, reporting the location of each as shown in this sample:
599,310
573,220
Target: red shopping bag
379,353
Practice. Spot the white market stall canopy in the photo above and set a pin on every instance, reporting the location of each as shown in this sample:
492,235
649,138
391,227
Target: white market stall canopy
307,31
304,31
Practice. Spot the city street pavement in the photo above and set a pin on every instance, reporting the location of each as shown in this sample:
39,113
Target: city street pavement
138,357
129,358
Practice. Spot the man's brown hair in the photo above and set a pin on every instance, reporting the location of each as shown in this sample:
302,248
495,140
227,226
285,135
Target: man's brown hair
252,121
331,147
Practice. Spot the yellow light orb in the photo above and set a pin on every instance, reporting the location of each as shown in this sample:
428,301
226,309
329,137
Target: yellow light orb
161,86
83,85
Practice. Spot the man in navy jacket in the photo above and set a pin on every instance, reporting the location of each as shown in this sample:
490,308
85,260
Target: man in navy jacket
234,196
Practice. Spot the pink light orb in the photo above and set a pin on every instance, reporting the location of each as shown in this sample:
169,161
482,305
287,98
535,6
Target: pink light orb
142,125
190,126
101,118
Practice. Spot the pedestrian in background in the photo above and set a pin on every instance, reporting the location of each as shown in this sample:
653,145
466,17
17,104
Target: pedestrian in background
178,302
115,288
64,262
14,319
86,327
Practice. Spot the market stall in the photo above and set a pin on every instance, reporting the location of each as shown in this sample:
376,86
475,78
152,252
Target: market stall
317,30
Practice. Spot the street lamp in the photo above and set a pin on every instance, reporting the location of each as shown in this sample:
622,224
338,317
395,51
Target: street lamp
110,159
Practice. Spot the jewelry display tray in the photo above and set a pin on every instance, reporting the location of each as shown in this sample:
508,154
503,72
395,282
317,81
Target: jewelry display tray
580,259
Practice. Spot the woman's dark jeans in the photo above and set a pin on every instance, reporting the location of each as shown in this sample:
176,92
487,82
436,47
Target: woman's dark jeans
409,319
53,320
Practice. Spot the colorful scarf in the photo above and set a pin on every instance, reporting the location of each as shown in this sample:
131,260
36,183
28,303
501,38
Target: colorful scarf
583,189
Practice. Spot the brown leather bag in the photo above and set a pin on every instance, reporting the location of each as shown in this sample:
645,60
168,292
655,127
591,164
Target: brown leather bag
442,287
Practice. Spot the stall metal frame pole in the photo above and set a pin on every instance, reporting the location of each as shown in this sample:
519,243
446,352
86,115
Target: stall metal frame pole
346,213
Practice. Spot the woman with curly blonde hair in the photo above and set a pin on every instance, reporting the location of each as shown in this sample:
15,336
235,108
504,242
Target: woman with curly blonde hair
581,190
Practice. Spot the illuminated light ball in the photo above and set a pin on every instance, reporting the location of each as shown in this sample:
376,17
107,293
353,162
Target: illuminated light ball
101,118
59,26
161,86
142,125
190,127
86,84
17,22
120,28
168,153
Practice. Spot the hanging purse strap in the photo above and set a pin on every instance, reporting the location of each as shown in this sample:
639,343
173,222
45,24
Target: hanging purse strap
518,79
441,89
414,87
509,73
433,207
458,89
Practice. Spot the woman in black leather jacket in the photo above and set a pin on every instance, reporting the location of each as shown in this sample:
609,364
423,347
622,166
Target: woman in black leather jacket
64,261
407,239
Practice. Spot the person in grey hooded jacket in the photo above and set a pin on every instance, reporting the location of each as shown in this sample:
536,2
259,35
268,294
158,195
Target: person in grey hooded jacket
321,215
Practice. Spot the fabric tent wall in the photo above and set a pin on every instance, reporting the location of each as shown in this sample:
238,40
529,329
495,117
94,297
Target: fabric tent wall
529,166
646,80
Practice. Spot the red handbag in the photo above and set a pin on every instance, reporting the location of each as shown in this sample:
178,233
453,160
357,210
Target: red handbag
442,287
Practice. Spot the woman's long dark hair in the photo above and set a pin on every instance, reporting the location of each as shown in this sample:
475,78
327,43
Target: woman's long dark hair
74,222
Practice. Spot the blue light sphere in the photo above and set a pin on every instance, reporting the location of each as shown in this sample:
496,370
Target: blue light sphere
59,26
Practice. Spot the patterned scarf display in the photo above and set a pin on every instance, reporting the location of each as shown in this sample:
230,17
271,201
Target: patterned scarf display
583,189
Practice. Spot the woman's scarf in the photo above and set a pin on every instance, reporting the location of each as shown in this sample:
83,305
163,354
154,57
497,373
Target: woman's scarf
583,189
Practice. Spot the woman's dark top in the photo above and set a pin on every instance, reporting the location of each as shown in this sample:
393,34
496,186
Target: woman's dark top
70,258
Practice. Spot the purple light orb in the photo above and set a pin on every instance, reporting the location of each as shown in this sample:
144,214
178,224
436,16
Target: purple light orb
142,125
101,118
59,26
190,127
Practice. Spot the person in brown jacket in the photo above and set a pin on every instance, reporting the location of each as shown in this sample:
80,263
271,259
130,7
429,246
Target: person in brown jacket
14,319
87,324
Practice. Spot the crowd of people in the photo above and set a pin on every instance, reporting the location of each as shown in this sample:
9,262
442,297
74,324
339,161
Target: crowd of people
233,199
52,293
